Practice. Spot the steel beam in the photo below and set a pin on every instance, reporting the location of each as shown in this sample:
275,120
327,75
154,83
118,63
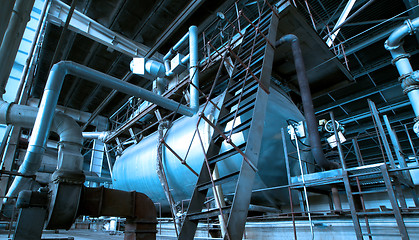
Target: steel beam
89,28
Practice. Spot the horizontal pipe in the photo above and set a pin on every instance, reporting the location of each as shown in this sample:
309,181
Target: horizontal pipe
44,118
95,135
63,68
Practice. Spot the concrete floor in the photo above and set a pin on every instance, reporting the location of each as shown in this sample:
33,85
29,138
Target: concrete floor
78,234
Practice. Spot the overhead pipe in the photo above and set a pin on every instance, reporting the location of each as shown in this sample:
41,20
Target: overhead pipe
12,38
45,115
409,79
95,135
312,126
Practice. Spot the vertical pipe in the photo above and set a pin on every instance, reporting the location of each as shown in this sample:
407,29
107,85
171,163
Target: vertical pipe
12,38
337,139
193,68
5,13
312,125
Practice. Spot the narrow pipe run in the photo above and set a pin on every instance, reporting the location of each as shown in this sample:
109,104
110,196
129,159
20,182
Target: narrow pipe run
312,126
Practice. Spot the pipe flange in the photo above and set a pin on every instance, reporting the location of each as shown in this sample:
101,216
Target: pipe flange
404,77
391,48
410,88
70,177
401,56
410,26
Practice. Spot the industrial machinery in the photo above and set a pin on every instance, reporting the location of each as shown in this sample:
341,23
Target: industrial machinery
217,132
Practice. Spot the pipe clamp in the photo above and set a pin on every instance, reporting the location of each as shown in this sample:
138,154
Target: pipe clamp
410,26
401,56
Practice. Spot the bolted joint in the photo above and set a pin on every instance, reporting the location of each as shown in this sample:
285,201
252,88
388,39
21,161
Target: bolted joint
409,82
401,56
71,177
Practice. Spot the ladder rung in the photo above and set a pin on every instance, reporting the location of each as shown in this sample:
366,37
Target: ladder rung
374,213
242,109
237,85
247,91
208,214
227,178
226,154
381,234
369,191
239,128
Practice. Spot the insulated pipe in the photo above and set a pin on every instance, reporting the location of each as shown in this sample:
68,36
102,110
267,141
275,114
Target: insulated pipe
12,38
96,135
312,127
5,13
45,116
193,64
409,78
25,116
193,68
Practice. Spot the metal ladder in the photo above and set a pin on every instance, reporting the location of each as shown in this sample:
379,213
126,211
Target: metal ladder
375,179
246,95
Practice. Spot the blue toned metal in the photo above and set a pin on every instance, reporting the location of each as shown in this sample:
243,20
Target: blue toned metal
45,116
193,68
135,169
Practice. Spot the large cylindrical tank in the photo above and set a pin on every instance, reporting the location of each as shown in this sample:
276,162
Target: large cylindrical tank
136,168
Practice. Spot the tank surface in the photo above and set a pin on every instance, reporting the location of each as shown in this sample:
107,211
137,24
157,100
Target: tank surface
136,168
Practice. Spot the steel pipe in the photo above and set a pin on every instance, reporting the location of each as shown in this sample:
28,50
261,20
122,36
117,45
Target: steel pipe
312,126
409,78
45,115
12,38
5,13
193,64
67,129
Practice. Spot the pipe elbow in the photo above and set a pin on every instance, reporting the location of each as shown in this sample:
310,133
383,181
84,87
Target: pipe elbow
289,38
67,128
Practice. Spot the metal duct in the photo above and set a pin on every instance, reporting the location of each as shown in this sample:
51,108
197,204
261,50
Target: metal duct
408,77
312,126
12,38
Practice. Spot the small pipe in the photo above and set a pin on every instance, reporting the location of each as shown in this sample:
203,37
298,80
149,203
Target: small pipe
312,126
193,68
